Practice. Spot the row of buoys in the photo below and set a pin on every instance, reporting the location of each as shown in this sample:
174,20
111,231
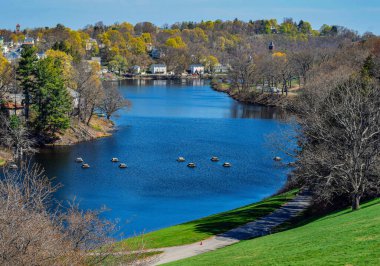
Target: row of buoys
193,165
86,165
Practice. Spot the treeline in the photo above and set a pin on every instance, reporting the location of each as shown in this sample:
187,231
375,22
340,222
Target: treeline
123,45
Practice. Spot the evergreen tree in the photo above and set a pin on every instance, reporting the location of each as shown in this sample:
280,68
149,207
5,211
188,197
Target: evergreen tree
26,75
52,100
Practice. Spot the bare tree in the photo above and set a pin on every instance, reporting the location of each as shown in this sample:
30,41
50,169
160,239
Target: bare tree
15,136
87,85
113,100
34,232
243,73
303,62
340,137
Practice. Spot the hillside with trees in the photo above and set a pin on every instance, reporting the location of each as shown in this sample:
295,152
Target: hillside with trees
329,78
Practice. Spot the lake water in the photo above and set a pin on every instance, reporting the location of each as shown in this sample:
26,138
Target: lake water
168,119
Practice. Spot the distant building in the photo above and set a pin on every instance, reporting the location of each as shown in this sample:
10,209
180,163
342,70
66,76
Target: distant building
12,56
90,43
75,96
149,47
96,59
29,40
158,69
13,104
156,54
18,28
197,69
41,55
136,70
219,68
4,49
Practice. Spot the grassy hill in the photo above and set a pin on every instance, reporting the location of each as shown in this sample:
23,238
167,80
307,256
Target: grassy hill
342,238
203,228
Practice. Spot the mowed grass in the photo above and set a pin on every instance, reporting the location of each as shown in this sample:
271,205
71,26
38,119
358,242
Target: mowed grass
203,228
342,238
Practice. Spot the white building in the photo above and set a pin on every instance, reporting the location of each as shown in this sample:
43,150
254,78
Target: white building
158,69
197,69
28,41
90,43
136,69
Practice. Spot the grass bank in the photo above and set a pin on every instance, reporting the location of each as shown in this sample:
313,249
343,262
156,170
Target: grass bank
204,228
341,238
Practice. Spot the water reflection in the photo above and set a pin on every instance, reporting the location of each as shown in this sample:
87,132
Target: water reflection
242,110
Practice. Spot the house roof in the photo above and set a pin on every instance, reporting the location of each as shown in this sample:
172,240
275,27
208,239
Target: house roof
12,105
158,65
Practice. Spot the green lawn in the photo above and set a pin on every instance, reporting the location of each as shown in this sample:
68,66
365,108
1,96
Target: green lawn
342,238
200,229
2,162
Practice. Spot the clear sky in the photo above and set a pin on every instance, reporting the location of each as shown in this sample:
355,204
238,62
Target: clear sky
360,15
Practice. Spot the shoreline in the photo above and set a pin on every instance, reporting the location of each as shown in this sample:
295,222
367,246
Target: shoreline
77,133
264,99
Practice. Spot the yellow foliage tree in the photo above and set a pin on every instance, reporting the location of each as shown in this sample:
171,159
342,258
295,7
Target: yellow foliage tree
176,42
66,61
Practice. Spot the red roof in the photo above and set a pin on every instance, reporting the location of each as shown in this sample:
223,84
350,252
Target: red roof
11,105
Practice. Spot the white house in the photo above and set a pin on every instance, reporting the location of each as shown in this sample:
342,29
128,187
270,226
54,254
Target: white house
28,41
4,49
75,98
136,69
197,69
90,43
158,69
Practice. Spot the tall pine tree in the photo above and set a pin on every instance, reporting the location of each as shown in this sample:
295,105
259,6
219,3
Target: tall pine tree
26,75
52,100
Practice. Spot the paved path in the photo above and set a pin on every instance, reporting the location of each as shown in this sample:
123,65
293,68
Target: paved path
260,227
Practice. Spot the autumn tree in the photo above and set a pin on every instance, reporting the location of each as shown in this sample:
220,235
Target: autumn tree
16,137
6,76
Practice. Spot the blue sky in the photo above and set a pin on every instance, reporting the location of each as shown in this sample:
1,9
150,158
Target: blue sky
360,15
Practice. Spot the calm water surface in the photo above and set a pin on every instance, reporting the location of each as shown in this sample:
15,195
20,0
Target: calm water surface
167,120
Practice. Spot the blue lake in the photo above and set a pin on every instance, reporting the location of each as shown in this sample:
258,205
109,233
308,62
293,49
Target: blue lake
168,119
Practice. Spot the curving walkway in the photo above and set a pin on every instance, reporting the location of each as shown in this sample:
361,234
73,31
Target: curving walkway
260,227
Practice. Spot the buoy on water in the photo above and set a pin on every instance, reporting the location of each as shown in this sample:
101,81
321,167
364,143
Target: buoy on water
214,159
191,165
180,159
85,165
123,165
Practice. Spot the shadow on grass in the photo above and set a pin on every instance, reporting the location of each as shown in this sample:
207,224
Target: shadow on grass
306,218
223,222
